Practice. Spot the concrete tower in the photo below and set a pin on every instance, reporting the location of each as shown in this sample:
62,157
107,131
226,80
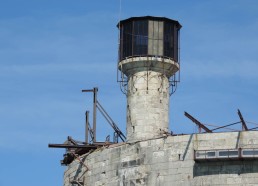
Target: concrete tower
148,61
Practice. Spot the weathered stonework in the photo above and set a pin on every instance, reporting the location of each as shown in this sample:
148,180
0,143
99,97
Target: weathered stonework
147,105
167,161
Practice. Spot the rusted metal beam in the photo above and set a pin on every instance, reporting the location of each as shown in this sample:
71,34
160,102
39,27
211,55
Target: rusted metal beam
88,90
244,126
111,122
70,146
87,127
198,123
95,91
78,158
93,145
78,182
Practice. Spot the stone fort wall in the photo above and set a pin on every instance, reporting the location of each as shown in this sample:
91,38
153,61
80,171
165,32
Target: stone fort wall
167,161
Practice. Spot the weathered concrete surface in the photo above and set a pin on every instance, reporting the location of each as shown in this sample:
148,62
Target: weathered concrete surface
167,161
147,106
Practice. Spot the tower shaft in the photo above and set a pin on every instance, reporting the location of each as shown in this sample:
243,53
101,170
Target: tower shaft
147,105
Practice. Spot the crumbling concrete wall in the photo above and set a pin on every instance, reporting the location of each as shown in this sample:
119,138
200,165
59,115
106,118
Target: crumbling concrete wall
167,161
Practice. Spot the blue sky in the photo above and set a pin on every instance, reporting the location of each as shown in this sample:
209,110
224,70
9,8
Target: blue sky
51,50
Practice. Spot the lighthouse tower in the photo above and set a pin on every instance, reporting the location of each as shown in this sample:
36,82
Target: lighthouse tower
148,63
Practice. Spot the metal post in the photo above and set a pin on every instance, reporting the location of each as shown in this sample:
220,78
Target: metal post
244,126
87,127
95,90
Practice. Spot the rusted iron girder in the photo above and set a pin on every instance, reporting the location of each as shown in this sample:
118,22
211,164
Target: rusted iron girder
198,123
244,126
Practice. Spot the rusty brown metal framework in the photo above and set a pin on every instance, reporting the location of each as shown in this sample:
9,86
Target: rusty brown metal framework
97,106
198,123
95,91
206,129
76,148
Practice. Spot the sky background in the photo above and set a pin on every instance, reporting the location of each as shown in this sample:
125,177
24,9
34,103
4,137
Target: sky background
51,49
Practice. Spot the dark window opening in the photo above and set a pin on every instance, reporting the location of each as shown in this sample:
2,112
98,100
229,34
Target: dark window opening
140,37
126,40
210,154
228,153
250,152
134,39
169,40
